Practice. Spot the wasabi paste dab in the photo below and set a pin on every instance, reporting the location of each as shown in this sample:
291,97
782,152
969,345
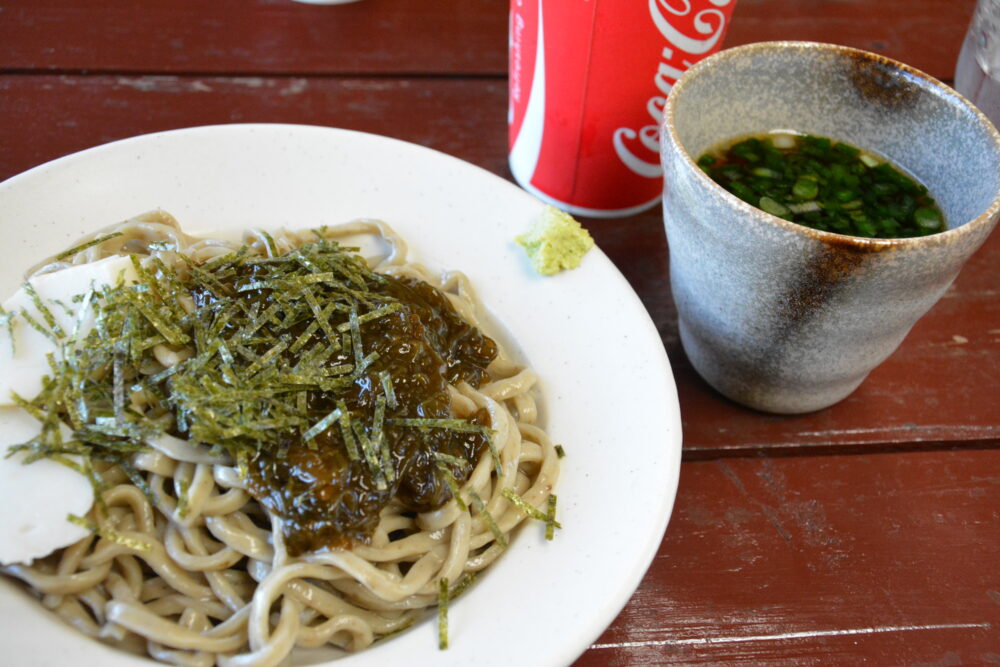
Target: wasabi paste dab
555,242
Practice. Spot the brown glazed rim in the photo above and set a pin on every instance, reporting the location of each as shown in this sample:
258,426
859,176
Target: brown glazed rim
833,238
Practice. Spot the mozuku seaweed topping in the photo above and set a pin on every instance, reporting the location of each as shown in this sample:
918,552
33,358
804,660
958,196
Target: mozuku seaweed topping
326,383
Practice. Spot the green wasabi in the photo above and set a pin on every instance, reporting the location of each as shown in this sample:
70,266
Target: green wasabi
555,242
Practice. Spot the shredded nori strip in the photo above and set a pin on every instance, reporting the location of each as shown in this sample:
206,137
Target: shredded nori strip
7,320
83,246
326,382
445,463
110,535
480,507
548,517
443,598
466,580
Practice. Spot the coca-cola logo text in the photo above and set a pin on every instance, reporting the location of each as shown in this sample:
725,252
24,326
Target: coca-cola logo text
710,23
516,42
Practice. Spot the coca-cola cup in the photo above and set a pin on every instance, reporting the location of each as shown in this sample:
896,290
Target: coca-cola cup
588,81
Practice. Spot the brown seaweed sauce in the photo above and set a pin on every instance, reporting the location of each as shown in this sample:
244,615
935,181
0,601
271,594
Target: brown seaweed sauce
328,500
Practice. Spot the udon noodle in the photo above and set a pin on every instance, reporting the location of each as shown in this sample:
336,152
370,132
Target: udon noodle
186,566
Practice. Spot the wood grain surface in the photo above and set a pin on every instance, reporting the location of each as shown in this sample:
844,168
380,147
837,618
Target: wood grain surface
446,37
841,560
926,34
463,117
867,533
449,37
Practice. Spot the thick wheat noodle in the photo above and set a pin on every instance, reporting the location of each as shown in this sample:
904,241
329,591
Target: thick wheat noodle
212,582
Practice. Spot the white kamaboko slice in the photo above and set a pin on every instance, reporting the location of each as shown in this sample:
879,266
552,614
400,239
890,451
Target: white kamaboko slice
23,364
36,499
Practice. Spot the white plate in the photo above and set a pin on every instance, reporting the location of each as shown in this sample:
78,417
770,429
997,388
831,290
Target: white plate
608,392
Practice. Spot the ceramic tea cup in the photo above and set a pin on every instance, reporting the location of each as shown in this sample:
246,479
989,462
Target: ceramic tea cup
782,317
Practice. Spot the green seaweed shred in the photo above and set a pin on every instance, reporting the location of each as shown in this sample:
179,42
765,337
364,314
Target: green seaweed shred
37,326
445,462
7,320
347,432
466,580
110,535
371,455
548,517
480,507
83,246
387,389
47,315
443,613
183,500
272,248
428,422
322,424
494,454
243,354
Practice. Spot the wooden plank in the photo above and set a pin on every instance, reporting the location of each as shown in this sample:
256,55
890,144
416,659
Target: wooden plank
926,34
45,117
886,559
402,36
255,36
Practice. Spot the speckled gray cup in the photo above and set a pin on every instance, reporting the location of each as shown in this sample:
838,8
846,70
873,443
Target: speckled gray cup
788,319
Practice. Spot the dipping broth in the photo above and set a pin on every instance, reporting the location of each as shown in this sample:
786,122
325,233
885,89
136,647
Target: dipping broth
824,184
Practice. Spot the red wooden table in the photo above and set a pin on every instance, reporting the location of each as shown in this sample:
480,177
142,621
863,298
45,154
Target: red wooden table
867,532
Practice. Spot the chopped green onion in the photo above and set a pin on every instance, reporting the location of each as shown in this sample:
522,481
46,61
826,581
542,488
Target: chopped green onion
869,160
823,184
764,172
771,206
927,218
805,207
805,188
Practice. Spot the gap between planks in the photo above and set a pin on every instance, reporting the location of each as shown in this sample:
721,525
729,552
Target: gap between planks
805,634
